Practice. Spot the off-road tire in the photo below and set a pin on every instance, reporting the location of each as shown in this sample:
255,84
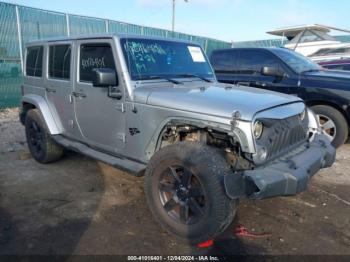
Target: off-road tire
50,150
210,166
342,130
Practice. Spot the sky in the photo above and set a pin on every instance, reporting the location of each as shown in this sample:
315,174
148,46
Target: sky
228,20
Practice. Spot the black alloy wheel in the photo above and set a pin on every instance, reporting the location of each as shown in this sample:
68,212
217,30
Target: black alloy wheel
182,195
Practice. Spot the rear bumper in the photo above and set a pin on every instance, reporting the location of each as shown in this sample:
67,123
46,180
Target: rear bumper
288,175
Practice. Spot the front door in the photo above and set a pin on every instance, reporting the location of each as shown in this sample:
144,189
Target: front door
100,118
251,63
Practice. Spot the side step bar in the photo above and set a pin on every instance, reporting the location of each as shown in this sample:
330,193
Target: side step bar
127,165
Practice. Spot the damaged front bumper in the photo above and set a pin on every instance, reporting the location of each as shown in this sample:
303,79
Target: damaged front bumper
285,176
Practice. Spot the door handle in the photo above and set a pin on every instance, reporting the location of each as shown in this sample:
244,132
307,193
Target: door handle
257,83
78,94
50,90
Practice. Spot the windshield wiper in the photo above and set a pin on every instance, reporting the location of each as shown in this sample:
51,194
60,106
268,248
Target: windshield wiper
160,77
194,75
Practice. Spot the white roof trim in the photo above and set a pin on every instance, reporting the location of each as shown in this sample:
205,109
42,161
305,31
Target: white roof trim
294,30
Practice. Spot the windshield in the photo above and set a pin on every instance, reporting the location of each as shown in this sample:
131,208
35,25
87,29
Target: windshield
311,36
296,61
149,58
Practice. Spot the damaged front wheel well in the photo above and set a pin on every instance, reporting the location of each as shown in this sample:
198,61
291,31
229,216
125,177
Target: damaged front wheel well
173,133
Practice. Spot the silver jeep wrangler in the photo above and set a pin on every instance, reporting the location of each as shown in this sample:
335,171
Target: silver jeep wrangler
153,107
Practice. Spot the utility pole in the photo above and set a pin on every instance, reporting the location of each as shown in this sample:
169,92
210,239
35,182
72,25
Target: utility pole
173,20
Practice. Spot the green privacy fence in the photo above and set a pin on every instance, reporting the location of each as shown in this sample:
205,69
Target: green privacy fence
260,43
20,24
10,64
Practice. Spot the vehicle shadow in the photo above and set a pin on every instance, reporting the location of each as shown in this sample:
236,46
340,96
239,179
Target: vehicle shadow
45,209
77,206
7,228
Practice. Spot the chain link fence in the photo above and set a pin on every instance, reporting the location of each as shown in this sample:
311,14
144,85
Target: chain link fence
20,24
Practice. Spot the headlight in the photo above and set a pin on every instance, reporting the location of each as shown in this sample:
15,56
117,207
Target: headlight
258,129
302,115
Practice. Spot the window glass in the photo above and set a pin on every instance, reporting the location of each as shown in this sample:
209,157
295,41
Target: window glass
311,36
224,61
334,67
59,61
251,61
331,51
94,56
34,61
338,67
296,61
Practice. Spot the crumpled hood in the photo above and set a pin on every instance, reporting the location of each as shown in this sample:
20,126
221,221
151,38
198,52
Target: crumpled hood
217,99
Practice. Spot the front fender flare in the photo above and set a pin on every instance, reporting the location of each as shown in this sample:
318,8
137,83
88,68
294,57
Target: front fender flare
53,125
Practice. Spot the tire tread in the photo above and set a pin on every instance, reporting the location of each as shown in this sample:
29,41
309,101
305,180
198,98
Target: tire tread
53,151
339,120
218,167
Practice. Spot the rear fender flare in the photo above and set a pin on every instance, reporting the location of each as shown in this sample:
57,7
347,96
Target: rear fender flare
53,124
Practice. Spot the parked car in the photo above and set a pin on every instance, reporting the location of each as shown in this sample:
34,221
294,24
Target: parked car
327,92
153,107
339,64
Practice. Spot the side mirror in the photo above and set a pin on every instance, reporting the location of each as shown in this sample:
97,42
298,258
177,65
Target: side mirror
104,77
107,77
272,71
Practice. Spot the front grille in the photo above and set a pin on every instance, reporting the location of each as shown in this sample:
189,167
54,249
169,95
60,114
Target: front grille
280,136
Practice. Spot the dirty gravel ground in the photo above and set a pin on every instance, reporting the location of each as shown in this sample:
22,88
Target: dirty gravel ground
80,206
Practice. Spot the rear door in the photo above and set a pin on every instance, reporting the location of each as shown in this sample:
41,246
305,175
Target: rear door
59,84
224,64
101,119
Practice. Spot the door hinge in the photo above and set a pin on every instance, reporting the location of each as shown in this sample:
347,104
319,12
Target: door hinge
71,123
121,136
50,90
120,107
79,94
